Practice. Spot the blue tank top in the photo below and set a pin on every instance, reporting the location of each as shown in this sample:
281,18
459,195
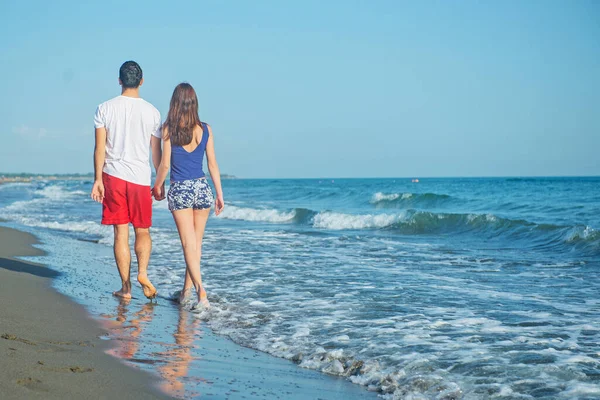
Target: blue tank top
188,165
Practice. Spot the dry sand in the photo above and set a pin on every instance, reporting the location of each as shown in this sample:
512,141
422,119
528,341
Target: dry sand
49,348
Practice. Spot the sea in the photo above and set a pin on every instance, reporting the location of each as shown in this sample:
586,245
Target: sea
454,288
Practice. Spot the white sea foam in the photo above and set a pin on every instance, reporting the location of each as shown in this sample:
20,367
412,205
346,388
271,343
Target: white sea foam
89,227
582,389
582,233
339,221
582,359
43,197
257,215
379,196
56,193
12,185
22,205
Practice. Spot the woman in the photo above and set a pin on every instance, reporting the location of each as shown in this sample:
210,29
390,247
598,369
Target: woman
185,140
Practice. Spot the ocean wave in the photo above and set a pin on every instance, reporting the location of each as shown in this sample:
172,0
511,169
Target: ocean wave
258,215
418,222
396,200
336,356
11,185
408,221
56,192
253,330
42,198
340,221
102,233
583,234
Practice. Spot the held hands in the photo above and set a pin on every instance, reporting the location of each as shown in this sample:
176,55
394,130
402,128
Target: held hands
98,191
159,192
219,205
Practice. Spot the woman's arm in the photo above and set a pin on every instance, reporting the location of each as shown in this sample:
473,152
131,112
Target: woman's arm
163,168
155,143
215,174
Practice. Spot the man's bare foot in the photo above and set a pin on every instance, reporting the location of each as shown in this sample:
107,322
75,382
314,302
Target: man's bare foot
123,293
147,287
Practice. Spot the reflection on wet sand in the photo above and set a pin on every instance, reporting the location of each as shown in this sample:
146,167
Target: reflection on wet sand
178,357
127,332
172,360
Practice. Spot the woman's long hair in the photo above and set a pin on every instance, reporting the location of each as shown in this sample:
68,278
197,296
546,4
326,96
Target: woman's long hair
183,115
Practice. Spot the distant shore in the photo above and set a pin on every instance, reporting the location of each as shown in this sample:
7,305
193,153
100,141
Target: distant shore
29,178
16,178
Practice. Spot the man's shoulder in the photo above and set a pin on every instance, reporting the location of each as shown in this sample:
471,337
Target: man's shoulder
151,107
109,102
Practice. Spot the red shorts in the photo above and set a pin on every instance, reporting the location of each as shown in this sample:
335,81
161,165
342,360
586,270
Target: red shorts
125,202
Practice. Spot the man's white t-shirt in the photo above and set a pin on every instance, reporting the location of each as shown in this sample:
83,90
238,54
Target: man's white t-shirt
129,123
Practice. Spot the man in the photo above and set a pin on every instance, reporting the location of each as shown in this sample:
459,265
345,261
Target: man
126,127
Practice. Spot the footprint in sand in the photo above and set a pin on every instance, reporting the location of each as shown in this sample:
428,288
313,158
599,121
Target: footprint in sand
8,336
80,370
32,384
74,369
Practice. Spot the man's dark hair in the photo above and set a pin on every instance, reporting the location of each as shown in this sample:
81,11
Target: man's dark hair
130,74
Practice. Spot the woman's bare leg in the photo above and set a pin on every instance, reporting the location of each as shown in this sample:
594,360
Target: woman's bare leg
200,218
185,221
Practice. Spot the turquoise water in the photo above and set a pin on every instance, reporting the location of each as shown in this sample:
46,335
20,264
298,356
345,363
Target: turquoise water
445,288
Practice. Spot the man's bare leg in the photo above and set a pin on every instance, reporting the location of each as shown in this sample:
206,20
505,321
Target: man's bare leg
143,248
123,259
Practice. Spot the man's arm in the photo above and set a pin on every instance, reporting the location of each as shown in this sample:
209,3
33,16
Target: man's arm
99,157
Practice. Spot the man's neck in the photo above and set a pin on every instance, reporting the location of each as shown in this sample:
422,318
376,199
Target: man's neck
130,92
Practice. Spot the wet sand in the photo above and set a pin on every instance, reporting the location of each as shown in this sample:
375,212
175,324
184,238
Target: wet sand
49,347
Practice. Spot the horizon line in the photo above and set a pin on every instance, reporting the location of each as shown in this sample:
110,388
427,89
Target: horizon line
86,174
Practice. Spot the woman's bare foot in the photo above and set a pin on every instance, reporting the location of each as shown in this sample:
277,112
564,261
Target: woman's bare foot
184,295
125,292
203,299
147,286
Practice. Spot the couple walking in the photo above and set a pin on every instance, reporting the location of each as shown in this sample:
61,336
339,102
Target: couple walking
127,127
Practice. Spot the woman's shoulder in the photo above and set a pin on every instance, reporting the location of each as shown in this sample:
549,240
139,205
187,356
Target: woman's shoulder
204,126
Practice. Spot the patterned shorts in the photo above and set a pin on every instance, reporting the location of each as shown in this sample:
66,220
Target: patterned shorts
192,193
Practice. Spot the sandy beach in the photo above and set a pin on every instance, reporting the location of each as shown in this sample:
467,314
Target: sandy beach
49,347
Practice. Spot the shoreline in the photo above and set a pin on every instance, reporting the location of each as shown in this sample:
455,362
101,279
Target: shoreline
161,342
51,348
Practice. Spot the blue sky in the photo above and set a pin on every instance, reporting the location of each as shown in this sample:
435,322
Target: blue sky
317,89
